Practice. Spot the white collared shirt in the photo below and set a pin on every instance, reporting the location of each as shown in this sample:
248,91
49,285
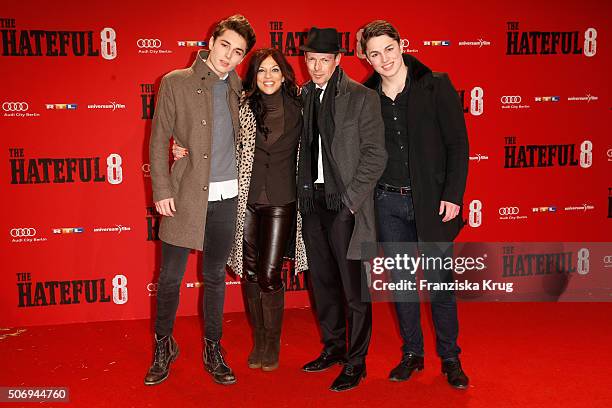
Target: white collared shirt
320,159
222,190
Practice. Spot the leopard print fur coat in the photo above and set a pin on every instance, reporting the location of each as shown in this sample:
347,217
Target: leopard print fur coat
246,153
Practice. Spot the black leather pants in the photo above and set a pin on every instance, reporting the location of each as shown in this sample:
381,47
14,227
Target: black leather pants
266,233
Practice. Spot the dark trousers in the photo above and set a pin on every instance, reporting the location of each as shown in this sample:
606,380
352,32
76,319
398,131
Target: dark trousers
267,230
336,282
396,223
218,240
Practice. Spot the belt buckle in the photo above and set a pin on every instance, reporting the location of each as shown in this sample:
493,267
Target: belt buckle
405,190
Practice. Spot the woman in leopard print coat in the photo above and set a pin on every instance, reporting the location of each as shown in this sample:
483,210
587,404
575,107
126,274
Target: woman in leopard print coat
270,128
246,154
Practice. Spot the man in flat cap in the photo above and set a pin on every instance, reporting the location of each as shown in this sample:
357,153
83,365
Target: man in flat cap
342,156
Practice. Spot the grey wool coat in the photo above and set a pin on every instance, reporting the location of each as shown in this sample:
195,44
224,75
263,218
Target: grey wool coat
358,148
184,111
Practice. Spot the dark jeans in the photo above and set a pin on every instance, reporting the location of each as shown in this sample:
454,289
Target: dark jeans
267,230
336,281
396,223
218,240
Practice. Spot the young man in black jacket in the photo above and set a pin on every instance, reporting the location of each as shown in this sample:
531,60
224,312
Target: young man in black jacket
419,196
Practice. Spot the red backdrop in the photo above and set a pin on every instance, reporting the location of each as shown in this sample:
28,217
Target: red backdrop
78,84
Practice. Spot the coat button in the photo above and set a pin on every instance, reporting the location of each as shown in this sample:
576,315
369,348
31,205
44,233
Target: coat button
199,91
203,122
205,156
205,188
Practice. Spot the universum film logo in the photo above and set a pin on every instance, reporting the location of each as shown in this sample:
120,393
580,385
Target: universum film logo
582,208
478,43
587,98
109,106
479,157
118,229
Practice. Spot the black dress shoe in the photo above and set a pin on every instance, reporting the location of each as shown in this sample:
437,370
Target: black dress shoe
349,377
322,363
454,374
410,363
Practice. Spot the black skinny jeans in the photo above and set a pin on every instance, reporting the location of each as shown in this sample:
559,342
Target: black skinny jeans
218,240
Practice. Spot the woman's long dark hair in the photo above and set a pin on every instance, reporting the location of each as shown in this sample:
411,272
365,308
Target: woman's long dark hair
254,95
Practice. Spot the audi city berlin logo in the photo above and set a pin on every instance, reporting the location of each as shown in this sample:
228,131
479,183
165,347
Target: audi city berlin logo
148,43
15,106
23,232
508,211
510,99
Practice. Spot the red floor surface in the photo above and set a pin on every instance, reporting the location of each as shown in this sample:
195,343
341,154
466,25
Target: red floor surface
517,355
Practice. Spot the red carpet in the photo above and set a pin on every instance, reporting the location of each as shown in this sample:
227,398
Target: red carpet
517,355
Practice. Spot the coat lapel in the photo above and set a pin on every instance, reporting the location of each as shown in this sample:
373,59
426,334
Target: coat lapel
233,99
340,107
307,95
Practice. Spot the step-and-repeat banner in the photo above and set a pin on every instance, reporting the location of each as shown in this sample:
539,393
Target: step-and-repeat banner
78,87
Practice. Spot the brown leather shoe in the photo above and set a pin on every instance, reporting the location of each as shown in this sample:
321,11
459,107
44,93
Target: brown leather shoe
215,364
166,351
